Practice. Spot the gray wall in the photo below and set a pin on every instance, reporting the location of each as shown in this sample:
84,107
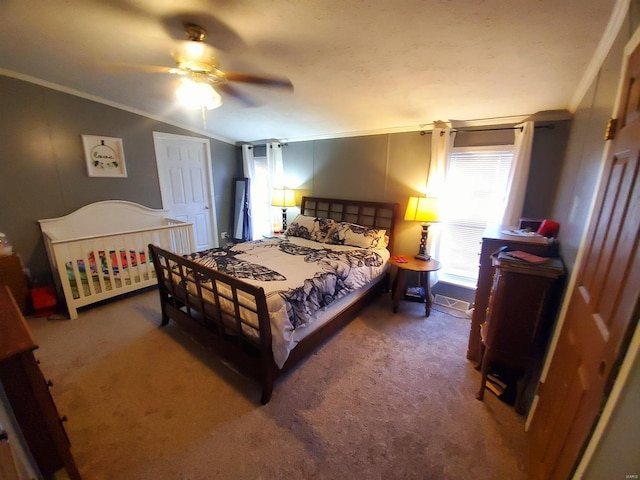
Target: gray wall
392,167
42,169
578,182
547,153
376,167
618,455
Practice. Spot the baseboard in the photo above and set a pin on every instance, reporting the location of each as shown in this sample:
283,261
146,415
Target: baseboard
453,303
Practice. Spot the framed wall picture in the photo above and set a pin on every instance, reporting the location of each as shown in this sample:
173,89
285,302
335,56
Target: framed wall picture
104,156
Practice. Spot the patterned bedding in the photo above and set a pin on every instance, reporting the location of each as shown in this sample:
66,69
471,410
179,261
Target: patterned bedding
300,278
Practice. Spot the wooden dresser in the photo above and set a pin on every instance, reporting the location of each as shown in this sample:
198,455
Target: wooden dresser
493,240
28,393
12,275
522,308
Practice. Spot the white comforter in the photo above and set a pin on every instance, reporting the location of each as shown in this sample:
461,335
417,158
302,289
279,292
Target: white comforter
300,278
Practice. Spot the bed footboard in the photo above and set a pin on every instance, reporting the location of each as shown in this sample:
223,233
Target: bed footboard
225,313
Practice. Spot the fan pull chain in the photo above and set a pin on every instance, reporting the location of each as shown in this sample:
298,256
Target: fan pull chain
204,116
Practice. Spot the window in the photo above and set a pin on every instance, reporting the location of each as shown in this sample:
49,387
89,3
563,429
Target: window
262,164
475,186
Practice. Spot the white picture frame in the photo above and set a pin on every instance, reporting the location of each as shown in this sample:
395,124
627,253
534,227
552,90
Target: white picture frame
104,156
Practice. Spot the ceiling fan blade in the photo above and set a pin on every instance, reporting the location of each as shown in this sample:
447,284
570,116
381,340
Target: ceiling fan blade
258,80
235,93
130,67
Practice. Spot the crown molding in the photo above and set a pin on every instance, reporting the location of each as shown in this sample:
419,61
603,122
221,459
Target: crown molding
618,15
93,98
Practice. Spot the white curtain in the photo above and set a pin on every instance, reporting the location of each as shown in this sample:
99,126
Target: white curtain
276,180
518,174
442,138
441,141
276,168
264,173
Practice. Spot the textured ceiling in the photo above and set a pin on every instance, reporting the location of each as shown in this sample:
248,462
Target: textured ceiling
356,66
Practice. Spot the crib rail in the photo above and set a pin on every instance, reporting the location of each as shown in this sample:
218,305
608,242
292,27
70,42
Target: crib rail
93,268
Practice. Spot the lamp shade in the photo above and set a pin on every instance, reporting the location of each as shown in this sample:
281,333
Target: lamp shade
422,209
283,197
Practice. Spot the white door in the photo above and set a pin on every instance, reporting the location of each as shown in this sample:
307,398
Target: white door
184,171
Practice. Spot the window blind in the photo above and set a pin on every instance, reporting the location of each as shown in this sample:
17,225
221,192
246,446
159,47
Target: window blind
475,188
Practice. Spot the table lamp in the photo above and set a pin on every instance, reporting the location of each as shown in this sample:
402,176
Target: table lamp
425,210
284,198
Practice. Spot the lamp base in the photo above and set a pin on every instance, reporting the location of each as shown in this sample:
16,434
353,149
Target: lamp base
422,251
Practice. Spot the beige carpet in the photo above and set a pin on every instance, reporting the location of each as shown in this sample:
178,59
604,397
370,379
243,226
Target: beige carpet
389,397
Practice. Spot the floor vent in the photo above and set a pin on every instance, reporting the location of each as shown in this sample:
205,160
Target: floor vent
451,303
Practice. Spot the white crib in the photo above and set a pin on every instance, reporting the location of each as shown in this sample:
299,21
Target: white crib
101,250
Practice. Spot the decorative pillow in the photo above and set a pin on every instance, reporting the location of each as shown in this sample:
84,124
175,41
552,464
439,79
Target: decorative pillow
302,226
322,229
311,228
357,236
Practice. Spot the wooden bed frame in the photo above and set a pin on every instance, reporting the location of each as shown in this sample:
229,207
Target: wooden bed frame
225,329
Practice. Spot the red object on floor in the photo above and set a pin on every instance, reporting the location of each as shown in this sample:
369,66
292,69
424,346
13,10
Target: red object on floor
44,301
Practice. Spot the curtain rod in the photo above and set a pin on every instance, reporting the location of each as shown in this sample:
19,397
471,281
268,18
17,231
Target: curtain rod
264,145
464,130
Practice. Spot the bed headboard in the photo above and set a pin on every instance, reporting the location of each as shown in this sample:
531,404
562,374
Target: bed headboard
367,214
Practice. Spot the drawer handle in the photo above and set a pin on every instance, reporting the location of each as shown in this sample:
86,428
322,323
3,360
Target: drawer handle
49,383
64,419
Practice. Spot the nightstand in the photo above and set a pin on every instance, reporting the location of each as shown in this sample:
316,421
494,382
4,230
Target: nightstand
423,268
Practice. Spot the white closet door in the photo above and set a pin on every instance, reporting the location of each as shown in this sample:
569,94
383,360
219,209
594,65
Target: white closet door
184,171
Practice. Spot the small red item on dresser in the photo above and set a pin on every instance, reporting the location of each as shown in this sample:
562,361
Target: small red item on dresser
548,228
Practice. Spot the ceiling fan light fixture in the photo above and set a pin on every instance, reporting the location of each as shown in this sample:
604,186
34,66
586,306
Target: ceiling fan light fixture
195,56
196,95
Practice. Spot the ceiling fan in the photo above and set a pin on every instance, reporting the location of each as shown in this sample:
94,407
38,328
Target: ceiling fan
197,64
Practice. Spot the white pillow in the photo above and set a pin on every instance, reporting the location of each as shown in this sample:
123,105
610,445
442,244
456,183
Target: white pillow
357,236
310,228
